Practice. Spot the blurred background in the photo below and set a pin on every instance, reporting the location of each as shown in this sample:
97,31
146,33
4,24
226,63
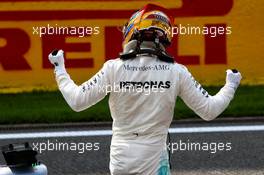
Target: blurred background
28,91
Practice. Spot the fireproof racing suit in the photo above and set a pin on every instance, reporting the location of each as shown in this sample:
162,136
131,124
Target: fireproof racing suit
142,97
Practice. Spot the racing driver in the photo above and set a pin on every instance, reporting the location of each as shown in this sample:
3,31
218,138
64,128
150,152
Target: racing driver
143,84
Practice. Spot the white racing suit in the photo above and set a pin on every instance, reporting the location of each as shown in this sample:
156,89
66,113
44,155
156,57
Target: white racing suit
143,92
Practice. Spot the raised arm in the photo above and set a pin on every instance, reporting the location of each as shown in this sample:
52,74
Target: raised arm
206,106
83,96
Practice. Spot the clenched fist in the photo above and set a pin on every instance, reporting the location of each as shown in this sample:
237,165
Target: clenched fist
233,78
56,58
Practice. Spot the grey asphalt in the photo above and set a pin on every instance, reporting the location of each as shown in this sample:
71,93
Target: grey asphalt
245,157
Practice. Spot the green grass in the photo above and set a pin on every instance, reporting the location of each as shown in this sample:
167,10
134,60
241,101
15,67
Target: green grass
50,107
248,101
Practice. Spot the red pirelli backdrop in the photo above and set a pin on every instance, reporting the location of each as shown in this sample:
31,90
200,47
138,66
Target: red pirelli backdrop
23,53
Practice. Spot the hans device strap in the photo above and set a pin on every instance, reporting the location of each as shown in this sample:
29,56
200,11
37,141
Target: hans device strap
162,55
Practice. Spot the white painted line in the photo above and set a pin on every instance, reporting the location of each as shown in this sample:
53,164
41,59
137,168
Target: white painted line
55,134
245,128
204,129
